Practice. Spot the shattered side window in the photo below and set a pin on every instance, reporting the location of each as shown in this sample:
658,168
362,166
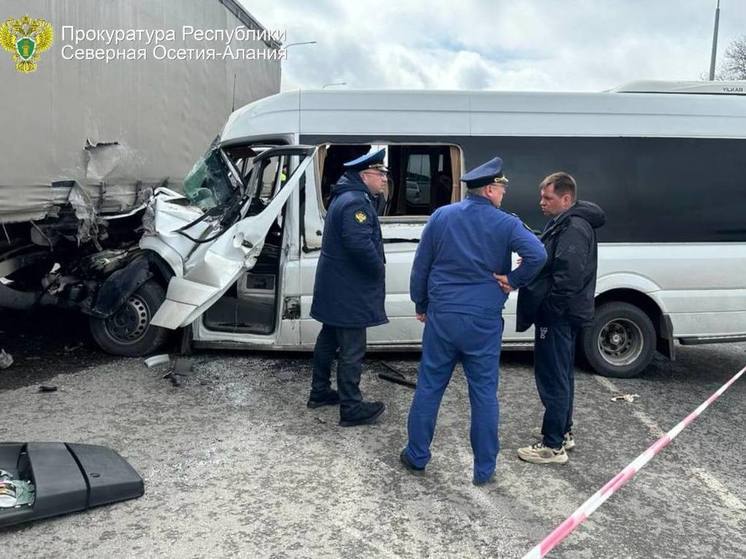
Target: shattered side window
209,184
272,170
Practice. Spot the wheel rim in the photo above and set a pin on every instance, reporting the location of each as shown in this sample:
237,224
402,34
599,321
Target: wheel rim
620,342
129,323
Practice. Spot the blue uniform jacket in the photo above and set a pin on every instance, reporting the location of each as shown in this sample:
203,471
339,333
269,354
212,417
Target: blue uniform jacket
350,285
460,248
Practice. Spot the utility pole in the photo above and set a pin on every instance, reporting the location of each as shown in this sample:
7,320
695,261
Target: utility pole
714,42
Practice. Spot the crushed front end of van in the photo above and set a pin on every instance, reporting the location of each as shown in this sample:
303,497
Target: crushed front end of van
80,255
154,265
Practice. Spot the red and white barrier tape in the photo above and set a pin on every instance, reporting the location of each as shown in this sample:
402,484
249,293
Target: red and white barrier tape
618,481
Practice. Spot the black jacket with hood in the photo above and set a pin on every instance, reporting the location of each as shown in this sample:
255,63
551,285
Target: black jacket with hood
565,288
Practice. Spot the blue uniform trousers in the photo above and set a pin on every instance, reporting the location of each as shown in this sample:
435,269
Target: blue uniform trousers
554,359
475,342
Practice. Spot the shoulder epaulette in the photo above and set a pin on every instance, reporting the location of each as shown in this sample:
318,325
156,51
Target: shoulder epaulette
526,227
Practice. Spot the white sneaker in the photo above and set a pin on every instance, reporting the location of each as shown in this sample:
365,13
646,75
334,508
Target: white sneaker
568,442
537,453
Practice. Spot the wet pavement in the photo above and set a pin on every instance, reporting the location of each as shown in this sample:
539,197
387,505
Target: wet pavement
235,465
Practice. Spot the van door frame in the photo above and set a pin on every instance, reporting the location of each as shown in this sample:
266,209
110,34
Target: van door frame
231,253
399,230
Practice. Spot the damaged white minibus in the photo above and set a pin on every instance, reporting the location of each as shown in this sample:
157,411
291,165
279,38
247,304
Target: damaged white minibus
237,253
666,161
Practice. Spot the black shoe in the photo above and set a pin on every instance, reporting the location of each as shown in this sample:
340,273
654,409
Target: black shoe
404,459
329,398
480,482
362,414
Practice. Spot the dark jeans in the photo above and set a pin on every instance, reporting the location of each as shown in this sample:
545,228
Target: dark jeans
554,359
351,345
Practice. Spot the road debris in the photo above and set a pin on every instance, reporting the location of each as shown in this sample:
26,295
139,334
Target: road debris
157,360
6,359
14,492
73,347
625,397
181,368
396,376
47,388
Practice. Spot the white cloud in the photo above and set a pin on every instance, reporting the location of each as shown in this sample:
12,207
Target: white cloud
489,44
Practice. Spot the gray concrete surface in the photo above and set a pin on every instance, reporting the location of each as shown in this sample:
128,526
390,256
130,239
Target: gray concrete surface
236,466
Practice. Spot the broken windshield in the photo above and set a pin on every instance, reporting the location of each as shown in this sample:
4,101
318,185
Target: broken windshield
210,183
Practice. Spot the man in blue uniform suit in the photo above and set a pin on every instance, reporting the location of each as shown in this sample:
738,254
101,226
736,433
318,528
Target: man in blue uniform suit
349,291
455,294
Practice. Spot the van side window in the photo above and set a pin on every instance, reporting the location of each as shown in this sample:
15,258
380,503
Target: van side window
418,179
421,177
269,177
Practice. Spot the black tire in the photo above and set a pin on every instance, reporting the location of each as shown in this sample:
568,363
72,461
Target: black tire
621,341
128,331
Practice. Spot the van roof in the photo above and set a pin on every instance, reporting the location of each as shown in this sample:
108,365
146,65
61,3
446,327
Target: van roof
701,87
657,109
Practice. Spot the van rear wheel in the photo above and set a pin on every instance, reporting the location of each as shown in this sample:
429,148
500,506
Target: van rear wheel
128,331
620,342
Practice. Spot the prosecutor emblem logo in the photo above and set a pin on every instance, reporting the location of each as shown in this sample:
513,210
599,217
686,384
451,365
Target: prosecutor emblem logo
26,38
360,216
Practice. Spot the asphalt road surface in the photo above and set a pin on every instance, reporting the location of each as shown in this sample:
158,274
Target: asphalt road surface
235,465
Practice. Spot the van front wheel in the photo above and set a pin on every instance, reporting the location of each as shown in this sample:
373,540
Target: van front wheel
620,342
128,331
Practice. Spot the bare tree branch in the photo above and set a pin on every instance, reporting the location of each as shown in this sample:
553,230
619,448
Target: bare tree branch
734,65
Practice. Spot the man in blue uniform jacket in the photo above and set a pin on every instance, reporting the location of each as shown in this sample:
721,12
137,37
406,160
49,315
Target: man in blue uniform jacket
349,292
458,299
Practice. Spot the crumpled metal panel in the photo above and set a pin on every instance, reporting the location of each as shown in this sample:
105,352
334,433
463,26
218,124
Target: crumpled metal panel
143,120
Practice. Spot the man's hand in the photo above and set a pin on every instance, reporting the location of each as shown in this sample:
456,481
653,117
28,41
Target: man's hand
503,281
422,317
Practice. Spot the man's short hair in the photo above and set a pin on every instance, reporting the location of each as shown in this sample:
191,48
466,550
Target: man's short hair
563,184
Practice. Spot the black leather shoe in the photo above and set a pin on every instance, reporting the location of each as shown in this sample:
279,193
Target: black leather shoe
480,482
362,414
404,459
330,398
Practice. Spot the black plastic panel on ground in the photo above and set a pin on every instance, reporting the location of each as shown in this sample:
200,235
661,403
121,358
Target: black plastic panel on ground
67,478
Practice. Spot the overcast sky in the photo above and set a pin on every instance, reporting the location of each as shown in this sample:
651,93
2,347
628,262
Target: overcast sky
582,45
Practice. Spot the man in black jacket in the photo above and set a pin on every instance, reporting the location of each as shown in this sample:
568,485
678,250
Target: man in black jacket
349,292
559,302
